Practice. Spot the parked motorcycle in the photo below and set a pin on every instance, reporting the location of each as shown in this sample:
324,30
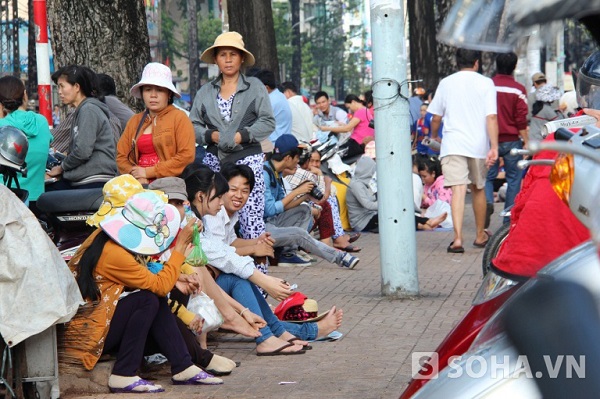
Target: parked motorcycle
66,213
580,187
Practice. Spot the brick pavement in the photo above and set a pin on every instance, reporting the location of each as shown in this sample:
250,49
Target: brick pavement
372,360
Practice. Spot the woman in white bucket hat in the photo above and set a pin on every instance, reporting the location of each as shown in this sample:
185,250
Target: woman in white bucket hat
158,142
231,116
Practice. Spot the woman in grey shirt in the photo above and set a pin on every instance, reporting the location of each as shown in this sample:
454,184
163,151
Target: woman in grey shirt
231,116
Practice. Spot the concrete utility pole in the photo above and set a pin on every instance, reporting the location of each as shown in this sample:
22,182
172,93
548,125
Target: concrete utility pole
398,251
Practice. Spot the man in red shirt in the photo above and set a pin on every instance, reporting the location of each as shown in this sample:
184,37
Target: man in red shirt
512,128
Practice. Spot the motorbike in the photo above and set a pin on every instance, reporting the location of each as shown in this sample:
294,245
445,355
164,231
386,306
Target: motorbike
580,187
499,237
496,288
66,214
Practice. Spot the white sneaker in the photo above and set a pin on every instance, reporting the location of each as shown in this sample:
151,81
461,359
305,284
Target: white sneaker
349,261
305,256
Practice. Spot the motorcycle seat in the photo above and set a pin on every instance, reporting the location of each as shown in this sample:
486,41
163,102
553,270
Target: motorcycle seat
65,201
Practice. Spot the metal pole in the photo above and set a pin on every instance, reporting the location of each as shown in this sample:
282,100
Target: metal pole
398,253
43,59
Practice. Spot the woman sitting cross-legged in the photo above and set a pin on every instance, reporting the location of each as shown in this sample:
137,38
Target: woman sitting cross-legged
126,308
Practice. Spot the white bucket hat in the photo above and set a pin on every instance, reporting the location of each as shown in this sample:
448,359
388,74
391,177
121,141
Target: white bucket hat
155,74
146,225
227,39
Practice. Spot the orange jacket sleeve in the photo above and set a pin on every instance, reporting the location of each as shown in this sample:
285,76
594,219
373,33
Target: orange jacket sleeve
119,265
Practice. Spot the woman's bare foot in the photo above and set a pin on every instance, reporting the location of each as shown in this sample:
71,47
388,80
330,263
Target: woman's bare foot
436,221
201,339
330,323
273,343
286,336
237,323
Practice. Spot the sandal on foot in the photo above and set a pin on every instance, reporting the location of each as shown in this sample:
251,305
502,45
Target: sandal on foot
202,378
349,248
457,250
278,352
306,347
481,244
353,237
131,388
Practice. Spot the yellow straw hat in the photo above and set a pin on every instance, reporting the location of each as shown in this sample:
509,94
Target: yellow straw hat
116,192
228,39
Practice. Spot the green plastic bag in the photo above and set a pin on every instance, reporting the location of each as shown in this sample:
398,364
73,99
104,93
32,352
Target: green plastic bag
196,257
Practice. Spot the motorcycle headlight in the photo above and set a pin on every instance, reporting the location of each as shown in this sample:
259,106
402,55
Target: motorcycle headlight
561,176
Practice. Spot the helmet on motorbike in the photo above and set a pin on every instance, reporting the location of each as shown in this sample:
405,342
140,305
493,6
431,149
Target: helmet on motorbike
13,148
588,82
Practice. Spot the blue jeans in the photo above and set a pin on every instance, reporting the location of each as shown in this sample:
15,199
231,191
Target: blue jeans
249,297
514,175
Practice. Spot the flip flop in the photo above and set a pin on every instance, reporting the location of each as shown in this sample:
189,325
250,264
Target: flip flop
279,352
354,237
306,347
202,378
458,250
350,248
481,244
130,388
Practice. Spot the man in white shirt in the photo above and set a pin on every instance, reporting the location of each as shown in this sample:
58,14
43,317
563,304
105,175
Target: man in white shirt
302,116
327,112
466,101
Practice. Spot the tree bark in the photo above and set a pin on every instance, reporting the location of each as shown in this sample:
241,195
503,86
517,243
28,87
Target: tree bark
296,73
254,21
446,55
109,36
193,49
423,44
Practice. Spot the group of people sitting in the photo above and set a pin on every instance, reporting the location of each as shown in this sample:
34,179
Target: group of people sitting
132,270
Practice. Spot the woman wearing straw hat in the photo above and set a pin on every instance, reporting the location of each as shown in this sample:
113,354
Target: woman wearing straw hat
158,142
231,116
126,308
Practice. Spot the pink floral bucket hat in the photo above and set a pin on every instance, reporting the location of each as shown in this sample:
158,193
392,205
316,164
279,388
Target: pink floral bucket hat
145,226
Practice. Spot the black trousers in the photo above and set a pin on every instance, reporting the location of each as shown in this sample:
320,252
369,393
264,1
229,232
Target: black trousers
139,317
354,149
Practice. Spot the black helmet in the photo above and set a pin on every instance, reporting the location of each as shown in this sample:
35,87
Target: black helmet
13,148
588,82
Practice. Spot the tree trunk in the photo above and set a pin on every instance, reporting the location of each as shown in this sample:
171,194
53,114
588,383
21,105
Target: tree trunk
193,49
32,81
109,36
446,55
254,21
296,74
423,50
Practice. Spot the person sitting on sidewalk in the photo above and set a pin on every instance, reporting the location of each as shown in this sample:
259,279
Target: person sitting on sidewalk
362,201
126,306
205,190
285,211
327,220
222,226
241,182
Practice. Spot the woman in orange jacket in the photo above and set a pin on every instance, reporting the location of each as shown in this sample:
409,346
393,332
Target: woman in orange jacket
160,141
126,309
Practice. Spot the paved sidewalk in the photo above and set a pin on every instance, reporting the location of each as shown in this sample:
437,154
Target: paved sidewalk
373,358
